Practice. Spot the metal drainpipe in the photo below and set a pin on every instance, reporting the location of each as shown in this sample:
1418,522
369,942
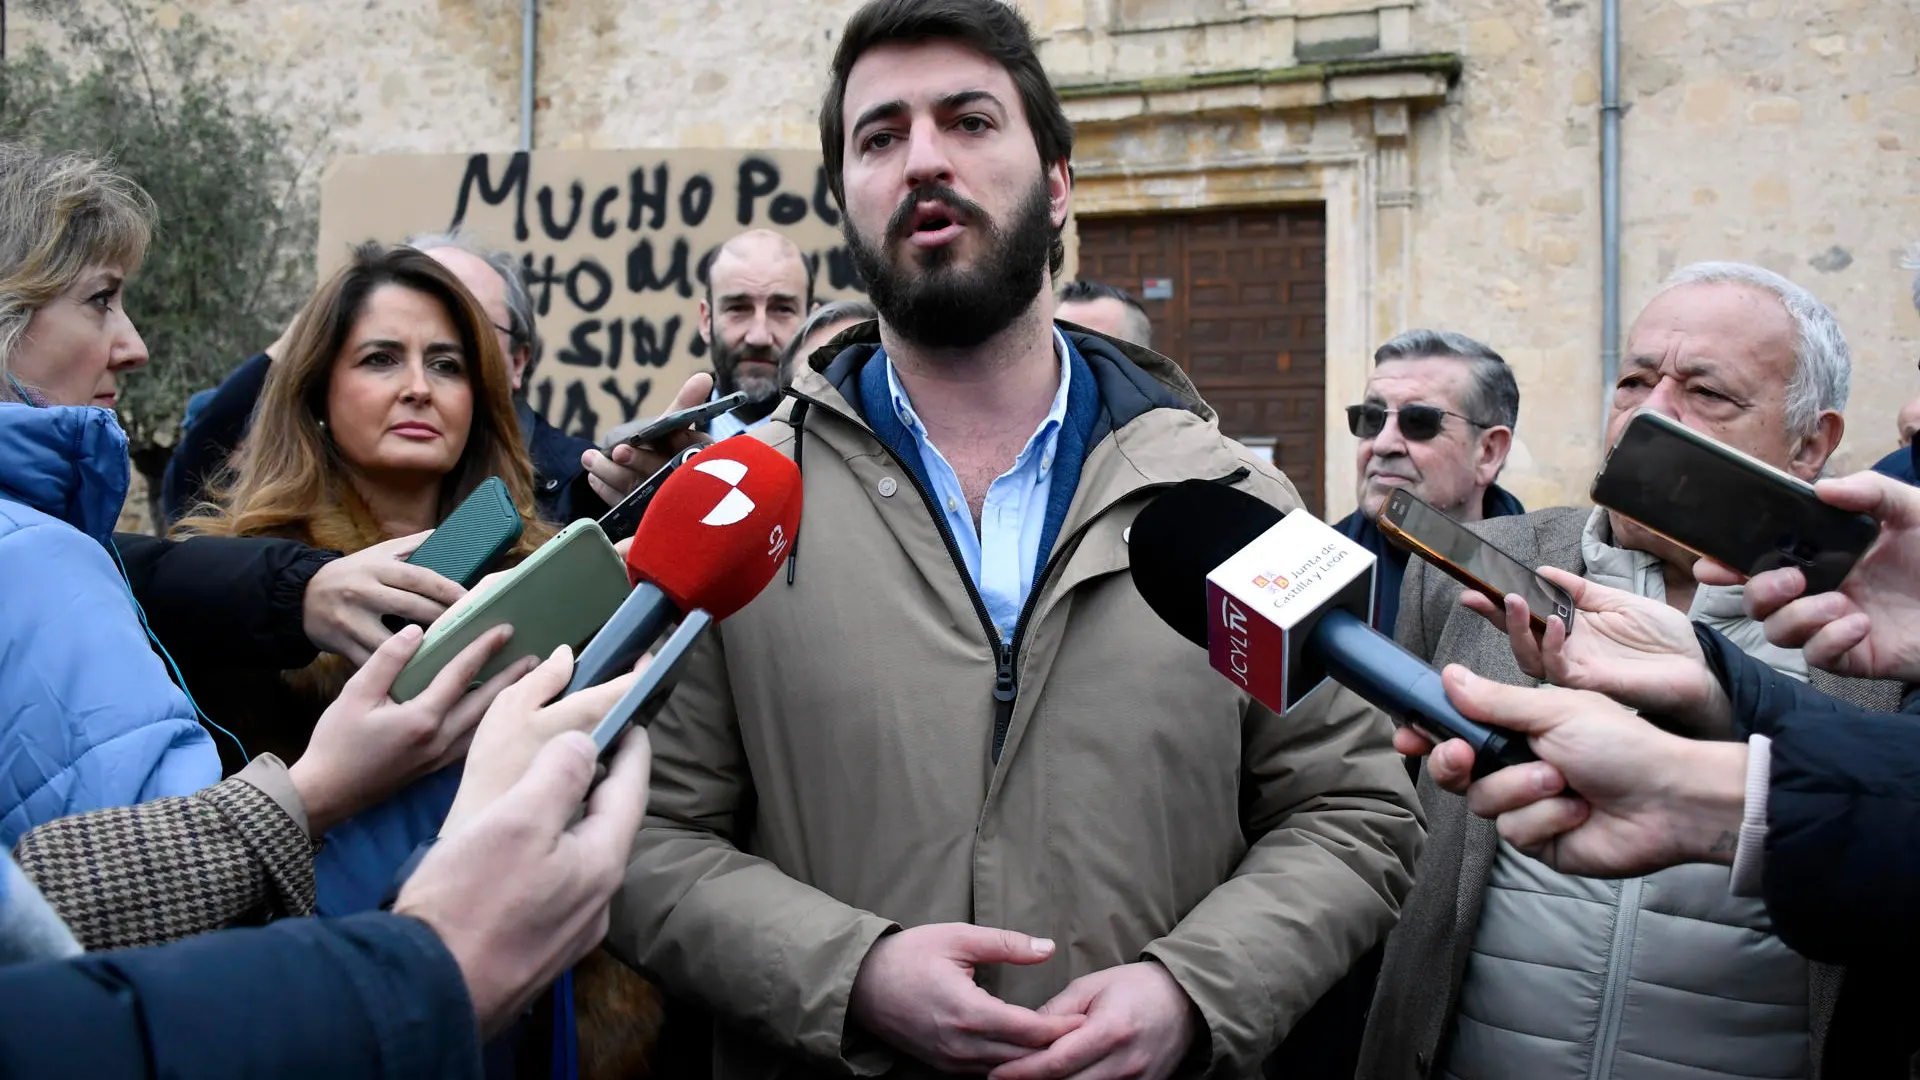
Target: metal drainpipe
1609,203
526,72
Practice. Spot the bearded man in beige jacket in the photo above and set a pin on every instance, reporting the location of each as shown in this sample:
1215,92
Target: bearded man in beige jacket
948,798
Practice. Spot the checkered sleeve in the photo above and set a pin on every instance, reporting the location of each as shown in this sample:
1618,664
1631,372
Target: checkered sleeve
168,869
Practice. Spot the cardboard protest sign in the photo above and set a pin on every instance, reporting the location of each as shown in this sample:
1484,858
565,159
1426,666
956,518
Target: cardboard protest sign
612,242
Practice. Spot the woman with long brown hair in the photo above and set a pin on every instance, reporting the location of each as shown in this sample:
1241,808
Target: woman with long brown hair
390,405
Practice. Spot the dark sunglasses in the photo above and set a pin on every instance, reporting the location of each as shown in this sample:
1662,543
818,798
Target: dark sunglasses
1417,422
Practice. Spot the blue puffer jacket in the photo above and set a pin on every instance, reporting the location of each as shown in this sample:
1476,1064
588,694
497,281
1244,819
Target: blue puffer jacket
88,716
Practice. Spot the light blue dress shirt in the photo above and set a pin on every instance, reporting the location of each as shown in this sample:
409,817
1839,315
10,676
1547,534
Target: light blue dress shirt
1002,555
727,425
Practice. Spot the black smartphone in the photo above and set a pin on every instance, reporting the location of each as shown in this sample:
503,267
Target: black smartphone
659,428
1714,500
643,701
1414,524
621,521
471,541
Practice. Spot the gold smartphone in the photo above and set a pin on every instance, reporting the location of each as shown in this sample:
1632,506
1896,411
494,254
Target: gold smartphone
1414,524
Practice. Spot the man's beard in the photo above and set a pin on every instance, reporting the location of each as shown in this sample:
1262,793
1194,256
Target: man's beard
760,389
938,305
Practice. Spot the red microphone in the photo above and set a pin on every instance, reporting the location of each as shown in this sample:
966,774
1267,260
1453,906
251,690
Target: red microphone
712,538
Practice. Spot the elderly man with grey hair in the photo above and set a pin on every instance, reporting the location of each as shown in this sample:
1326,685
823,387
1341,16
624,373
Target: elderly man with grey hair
494,278
1437,420
1502,967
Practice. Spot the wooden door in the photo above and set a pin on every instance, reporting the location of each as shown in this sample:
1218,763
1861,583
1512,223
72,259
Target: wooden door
1238,299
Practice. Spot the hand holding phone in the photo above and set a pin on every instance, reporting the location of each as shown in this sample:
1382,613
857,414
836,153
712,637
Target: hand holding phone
471,541
1713,500
1640,652
1417,526
617,470
620,522
524,717
1868,628
678,420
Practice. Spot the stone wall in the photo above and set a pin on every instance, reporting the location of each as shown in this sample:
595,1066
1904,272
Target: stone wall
1779,132
1784,134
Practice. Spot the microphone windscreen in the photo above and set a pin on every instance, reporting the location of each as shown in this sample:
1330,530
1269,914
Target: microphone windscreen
720,526
1180,537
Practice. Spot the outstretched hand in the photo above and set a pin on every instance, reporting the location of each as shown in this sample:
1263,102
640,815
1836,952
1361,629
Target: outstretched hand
1869,628
1639,652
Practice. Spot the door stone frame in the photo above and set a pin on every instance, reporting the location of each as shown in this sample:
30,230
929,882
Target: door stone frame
1334,134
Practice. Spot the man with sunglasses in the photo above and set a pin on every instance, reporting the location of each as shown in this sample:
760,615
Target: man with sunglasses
1438,421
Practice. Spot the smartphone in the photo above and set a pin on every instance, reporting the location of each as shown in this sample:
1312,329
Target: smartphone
480,530
561,595
621,521
657,429
1714,500
643,701
1414,524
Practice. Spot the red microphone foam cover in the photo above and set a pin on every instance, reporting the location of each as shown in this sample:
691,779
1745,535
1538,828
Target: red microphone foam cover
720,526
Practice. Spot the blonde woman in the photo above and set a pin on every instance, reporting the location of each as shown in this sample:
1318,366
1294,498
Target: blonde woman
88,716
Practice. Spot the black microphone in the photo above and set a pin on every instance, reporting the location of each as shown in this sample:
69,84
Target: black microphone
1280,602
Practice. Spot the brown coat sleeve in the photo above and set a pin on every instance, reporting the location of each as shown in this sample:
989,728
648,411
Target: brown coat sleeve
172,868
1336,832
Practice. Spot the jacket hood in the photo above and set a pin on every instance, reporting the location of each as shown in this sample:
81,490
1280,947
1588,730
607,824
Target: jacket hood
66,461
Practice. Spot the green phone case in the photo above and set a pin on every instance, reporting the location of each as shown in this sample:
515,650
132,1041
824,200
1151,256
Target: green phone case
480,530
561,595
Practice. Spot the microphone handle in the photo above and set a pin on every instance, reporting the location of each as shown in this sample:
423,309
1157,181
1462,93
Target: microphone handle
613,651
1379,670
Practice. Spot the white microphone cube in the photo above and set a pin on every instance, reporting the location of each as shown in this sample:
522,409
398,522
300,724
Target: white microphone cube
1264,601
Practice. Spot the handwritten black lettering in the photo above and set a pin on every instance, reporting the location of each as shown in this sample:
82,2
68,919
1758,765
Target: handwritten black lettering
604,227
602,284
651,349
695,200
823,198
641,276
841,273
555,230
629,407
578,418
641,197
541,279
787,209
584,353
758,179
513,183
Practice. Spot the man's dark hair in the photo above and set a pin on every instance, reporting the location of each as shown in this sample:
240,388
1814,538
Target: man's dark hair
1492,397
1082,291
990,27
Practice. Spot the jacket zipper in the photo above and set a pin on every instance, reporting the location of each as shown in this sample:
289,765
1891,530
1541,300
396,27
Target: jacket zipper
1006,679
1003,716
1005,685
1626,926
